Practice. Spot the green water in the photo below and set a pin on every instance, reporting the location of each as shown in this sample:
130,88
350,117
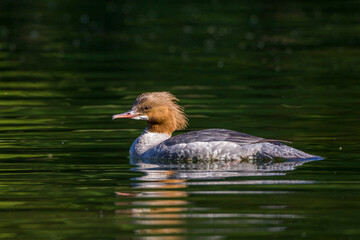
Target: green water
276,69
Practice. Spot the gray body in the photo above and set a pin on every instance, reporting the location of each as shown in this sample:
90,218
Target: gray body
211,144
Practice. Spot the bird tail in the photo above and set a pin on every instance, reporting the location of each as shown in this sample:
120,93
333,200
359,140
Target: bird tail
279,150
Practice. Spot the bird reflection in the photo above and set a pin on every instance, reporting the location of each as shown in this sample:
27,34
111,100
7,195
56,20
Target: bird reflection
159,200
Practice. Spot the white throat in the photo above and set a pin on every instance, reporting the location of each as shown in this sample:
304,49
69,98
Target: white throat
146,141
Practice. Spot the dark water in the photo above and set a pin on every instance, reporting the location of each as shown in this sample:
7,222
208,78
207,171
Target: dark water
276,69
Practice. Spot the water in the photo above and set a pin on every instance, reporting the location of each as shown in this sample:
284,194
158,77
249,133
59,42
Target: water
276,70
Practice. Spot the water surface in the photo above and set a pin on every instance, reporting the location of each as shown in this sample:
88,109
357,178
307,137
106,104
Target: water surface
271,69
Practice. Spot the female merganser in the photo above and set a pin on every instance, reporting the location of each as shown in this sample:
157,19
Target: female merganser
163,116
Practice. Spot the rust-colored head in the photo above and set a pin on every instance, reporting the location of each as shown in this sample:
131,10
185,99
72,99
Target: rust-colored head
160,110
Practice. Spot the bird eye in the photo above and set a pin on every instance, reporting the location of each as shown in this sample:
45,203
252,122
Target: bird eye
146,107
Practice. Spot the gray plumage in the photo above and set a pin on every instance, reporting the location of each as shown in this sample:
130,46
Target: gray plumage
218,144
216,135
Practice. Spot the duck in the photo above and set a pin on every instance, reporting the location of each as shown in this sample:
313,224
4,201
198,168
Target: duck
164,116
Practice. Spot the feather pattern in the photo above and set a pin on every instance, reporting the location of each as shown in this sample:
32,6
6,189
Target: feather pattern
213,144
212,135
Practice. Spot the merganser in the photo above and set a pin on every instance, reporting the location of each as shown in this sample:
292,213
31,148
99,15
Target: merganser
163,116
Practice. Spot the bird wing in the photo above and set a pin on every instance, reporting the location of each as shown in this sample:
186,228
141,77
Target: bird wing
212,135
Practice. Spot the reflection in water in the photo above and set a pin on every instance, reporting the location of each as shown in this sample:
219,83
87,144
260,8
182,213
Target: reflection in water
213,169
160,203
